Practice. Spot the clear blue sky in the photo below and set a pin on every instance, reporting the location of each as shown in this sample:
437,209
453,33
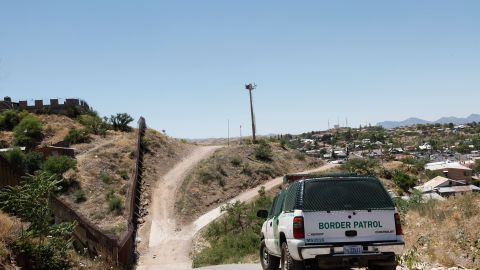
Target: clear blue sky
183,64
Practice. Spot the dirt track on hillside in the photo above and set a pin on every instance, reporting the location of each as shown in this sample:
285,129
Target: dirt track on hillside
169,243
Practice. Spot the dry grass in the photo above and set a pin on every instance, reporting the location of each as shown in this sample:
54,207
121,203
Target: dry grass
104,171
228,172
9,231
446,232
56,127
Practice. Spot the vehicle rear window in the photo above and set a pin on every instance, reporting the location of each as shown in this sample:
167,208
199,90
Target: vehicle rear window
333,194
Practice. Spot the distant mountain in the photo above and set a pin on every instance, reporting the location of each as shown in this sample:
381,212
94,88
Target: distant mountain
444,120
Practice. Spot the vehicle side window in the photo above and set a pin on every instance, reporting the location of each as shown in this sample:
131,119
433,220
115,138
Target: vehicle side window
291,197
270,213
279,204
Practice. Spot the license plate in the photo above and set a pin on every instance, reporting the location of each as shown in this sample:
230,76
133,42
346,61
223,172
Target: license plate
353,250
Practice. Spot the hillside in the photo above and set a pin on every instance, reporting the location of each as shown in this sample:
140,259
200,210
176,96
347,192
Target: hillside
444,232
231,170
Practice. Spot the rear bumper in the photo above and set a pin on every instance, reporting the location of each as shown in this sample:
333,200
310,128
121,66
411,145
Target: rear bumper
300,251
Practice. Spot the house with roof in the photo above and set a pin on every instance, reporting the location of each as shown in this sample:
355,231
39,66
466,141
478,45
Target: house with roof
451,170
446,187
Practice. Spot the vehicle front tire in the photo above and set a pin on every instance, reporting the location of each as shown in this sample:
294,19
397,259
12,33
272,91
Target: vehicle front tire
268,261
287,262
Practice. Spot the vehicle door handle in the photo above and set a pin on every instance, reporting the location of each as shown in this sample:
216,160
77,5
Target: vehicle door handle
270,224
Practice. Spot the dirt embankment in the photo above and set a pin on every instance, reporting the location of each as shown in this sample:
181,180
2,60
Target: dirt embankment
105,166
231,170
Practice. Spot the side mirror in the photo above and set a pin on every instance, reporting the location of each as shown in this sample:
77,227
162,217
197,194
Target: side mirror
262,213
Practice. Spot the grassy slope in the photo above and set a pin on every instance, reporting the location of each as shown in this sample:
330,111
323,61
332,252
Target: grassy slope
445,232
228,172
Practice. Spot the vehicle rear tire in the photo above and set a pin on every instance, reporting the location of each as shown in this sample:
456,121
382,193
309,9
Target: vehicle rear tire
268,261
287,262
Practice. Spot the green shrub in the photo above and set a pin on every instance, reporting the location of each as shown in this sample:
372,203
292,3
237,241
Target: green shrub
476,182
146,143
79,195
32,161
120,121
106,178
236,161
45,243
115,204
403,180
235,235
4,144
263,151
58,165
75,136
9,119
15,157
27,161
361,166
28,132
284,144
94,124
123,174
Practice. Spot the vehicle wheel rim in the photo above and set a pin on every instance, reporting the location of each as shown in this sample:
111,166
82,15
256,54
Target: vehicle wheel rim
265,257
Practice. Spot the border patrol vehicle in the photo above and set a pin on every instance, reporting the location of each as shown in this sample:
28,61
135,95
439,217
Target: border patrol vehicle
332,221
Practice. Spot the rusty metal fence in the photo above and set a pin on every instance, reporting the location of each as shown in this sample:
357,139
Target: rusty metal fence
87,235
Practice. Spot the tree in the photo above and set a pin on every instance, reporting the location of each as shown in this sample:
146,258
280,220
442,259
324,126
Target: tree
120,121
28,132
45,243
9,119
403,180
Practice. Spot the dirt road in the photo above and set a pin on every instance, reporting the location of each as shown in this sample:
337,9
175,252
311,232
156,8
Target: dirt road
170,244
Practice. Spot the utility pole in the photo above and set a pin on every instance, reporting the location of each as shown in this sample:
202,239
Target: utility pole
250,87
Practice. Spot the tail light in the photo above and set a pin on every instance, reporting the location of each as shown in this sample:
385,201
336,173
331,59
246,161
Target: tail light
398,224
298,230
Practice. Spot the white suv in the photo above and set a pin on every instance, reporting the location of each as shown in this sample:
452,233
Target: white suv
331,222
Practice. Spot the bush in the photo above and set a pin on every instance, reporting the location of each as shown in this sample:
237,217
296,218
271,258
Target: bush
9,119
32,161
403,180
236,161
15,157
28,132
27,161
45,243
120,121
58,165
94,124
123,174
4,144
361,166
75,136
79,195
263,151
115,204
235,235
106,178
